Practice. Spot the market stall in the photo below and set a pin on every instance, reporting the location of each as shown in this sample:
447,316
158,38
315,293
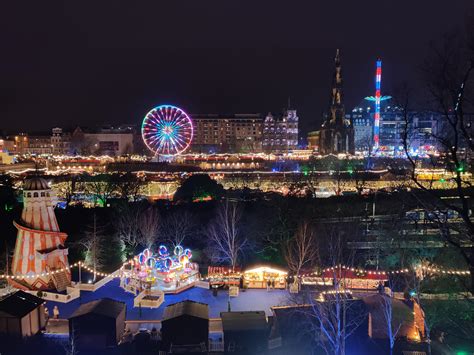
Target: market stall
350,278
265,277
223,276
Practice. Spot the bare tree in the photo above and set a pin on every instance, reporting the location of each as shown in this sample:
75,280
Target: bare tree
386,305
102,187
225,238
450,83
5,258
148,226
301,250
336,314
129,186
126,224
305,184
93,246
67,189
177,226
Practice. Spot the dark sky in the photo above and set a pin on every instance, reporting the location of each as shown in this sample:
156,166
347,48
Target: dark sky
90,62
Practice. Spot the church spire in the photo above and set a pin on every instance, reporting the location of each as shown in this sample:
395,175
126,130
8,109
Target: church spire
336,106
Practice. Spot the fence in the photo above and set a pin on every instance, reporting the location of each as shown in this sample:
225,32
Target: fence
71,294
95,286
216,346
157,297
202,284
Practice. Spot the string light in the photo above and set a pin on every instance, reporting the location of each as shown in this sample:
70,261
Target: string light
67,268
433,270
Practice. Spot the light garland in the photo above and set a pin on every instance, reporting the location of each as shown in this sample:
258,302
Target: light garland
81,264
433,270
68,268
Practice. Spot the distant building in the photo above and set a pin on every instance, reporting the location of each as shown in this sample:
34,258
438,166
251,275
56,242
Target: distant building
363,135
98,324
337,132
55,143
236,133
39,144
313,140
106,141
16,144
185,327
60,141
423,125
280,133
21,314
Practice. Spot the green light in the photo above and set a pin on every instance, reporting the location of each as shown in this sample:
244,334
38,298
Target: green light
442,180
462,353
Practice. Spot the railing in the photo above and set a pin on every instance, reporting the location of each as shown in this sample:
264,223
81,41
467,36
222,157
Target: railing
446,296
71,294
216,346
158,299
274,343
95,286
202,284
6,291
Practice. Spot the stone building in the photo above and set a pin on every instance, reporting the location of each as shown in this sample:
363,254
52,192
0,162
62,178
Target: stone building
234,133
280,134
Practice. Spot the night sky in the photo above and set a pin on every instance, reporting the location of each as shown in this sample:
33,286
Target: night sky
94,62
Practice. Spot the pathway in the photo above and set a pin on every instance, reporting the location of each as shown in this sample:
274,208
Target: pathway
250,300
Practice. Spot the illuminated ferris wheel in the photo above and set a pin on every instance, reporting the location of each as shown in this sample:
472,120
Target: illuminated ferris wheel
167,130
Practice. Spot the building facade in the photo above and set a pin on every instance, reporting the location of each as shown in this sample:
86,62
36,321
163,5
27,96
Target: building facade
280,134
60,141
423,126
237,133
337,132
104,141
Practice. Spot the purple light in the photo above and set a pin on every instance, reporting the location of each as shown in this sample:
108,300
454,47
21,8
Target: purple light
167,130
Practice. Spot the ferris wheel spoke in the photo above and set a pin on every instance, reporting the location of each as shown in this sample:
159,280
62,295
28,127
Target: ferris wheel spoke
167,130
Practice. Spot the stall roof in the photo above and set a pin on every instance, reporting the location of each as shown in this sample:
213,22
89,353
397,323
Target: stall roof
19,304
188,307
104,306
244,321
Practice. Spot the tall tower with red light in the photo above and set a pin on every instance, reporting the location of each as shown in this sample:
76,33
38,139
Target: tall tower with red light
378,81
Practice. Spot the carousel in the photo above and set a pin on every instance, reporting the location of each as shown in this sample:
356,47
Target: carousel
164,271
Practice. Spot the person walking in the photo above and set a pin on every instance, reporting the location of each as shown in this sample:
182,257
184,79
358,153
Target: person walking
55,312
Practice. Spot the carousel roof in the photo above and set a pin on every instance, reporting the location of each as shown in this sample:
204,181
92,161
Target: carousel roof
36,183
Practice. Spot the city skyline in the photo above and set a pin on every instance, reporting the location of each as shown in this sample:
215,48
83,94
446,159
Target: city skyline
109,65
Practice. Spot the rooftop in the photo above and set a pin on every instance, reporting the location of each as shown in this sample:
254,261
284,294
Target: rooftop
104,306
248,320
192,308
19,304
